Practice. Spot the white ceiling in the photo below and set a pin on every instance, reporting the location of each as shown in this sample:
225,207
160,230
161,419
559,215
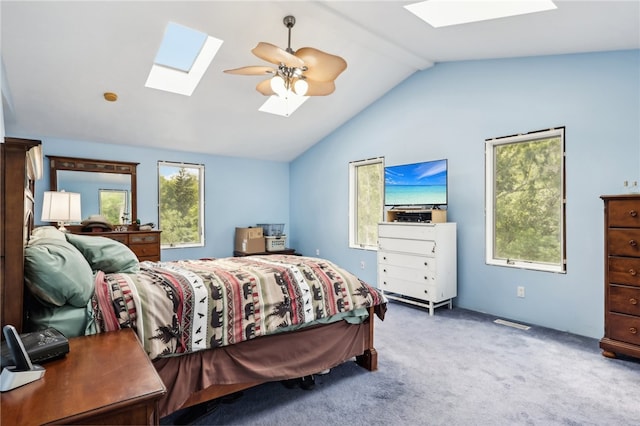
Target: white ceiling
60,57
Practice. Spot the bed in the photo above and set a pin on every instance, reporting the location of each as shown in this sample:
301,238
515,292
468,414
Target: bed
211,327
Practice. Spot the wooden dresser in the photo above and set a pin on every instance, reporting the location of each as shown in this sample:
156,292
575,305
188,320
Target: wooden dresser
622,275
145,244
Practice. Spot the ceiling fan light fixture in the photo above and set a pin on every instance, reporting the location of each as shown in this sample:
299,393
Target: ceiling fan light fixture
300,87
278,85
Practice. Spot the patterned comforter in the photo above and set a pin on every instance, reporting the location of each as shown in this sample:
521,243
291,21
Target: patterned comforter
186,306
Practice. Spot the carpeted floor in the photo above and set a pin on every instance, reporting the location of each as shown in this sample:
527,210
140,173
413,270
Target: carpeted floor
455,368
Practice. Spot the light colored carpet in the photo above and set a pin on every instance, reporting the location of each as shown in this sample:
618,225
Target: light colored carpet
455,368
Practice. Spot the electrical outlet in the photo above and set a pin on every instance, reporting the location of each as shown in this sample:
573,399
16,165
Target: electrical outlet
317,252
520,291
362,265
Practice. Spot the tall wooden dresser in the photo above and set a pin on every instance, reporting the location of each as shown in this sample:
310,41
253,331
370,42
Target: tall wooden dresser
622,275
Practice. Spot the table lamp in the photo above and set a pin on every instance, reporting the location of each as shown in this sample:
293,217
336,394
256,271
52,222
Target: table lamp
61,207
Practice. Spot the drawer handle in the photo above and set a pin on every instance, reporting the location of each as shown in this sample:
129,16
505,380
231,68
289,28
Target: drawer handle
633,213
384,270
633,330
632,272
633,243
633,301
425,264
384,257
426,278
426,292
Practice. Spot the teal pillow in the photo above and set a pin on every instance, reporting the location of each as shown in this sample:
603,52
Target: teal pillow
57,273
105,254
67,319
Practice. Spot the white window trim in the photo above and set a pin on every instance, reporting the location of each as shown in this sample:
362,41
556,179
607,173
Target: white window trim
489,196
353,204
200,167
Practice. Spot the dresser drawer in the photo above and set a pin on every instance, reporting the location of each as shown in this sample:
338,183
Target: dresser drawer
140,238
625,328
416,232
145,250
420,276
624,299
427,248
624,242
406,260
118,237
624,213
408,288
624,270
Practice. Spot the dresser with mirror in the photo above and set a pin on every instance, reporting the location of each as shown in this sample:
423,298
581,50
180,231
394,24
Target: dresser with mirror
99,183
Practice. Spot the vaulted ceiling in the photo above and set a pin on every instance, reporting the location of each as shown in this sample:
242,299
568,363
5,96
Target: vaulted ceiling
60,57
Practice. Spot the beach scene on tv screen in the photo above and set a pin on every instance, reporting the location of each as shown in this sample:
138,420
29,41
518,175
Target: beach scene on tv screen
416,184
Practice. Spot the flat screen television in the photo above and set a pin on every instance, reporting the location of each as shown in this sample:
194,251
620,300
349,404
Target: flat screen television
416,184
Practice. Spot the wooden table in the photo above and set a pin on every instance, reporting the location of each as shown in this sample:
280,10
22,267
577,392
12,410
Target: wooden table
104,379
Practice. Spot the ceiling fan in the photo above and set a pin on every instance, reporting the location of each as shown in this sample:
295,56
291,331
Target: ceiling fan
305,72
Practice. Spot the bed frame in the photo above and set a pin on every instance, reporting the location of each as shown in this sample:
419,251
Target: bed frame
16,212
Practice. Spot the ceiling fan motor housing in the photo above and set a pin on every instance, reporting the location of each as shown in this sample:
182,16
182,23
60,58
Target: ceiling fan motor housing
289,21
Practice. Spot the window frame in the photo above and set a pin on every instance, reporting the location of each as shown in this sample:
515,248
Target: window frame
201,201
490,238
353,201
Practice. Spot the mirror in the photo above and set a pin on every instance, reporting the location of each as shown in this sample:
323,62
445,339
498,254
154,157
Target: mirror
100,183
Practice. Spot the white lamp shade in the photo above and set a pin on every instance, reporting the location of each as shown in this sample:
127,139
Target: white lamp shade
61,207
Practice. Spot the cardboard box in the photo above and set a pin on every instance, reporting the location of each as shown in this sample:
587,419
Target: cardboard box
249,240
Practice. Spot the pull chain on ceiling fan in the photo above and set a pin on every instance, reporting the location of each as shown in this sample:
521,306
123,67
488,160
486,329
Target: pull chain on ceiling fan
305,72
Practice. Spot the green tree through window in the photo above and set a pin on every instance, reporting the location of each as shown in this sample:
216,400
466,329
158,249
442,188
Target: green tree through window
114,205
181,204
525,201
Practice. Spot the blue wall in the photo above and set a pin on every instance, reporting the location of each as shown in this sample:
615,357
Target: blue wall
238,192
444,112
447,112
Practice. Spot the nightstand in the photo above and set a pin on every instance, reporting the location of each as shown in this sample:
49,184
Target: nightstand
104,379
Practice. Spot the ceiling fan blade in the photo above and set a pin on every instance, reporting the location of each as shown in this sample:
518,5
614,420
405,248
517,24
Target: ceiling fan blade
320,88
252,70
264,87
321,66
275,55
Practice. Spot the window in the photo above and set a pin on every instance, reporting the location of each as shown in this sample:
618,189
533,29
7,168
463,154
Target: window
366,200
525,201
181,204
114,205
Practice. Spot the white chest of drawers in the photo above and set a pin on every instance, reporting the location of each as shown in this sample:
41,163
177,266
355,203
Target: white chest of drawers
417,263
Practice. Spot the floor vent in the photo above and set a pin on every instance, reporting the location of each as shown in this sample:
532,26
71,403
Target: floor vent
512,324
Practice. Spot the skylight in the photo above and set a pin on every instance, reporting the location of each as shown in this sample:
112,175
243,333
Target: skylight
182,59
180,47
442,13
284,106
